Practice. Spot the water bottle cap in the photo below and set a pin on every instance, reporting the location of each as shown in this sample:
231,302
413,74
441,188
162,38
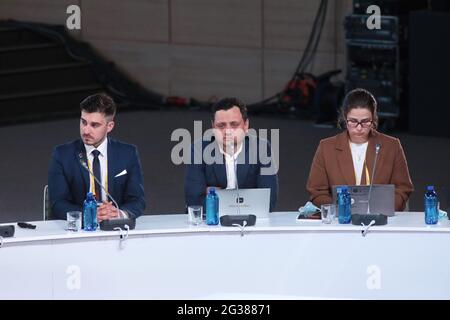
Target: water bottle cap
212,190
430,188
89,195
344,188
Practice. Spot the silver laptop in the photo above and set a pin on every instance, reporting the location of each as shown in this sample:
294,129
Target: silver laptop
250,201
382,199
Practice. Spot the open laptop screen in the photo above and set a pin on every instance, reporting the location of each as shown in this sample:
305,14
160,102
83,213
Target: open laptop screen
382,199
250,201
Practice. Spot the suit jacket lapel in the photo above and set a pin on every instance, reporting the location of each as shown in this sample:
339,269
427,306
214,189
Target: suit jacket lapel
80,155
219,169
221,174
112,166
243,164
344,159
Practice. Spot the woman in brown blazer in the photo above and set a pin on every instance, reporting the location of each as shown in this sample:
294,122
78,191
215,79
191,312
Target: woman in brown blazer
347,158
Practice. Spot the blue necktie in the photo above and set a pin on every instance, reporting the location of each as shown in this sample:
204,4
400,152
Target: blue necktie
97,174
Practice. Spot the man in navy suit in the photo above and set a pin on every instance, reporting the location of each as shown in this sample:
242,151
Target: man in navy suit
115,164
231,153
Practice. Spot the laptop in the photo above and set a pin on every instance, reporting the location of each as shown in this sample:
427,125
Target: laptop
250,201
382,199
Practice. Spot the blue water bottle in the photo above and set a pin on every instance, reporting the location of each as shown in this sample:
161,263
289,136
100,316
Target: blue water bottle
212,207
344,202
431,206
90,213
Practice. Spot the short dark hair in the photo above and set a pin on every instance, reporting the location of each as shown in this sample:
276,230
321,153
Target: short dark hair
358,98
228,103
99,102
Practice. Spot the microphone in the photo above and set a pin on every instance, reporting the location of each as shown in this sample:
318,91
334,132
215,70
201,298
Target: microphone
241,220
377,150
6,231
370,218
238,199
101,185
110,224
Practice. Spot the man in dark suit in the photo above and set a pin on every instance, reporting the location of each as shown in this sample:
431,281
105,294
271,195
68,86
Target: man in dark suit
231,153
115,164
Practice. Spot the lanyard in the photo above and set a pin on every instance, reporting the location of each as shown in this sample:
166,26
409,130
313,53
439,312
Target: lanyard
366,171
367,175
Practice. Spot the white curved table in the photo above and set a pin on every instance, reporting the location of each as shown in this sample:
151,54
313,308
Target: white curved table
278,258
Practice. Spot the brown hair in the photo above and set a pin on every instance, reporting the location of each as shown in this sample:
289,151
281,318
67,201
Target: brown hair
358,98
99,102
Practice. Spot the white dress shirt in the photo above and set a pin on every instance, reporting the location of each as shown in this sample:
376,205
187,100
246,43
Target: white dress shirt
359,157
230,167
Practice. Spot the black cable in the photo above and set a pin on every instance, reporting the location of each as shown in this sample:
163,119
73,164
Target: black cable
312,35
317,37
308,53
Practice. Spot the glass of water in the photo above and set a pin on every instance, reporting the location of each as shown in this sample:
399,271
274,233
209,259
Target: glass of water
195,215
328,213
74,220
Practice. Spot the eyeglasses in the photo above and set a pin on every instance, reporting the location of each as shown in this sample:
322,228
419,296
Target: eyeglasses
365,123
